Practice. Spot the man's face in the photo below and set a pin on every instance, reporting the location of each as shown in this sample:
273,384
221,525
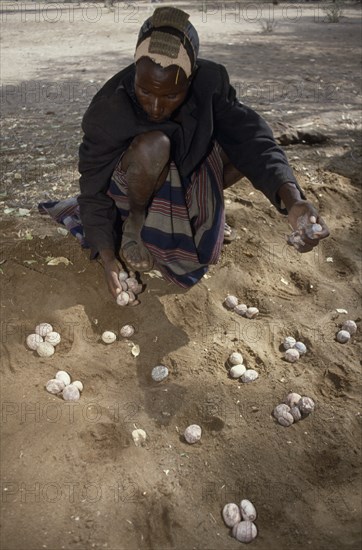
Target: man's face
159,91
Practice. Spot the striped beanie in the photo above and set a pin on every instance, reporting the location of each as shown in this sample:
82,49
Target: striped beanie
168,38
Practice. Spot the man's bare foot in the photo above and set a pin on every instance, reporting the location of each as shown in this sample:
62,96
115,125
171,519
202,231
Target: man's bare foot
229,233
136,256
133,251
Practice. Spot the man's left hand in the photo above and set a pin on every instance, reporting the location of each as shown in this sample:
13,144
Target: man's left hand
308,227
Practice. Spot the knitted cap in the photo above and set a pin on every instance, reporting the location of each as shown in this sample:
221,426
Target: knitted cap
168,38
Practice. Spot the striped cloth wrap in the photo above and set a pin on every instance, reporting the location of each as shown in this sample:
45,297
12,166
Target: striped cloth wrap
184,224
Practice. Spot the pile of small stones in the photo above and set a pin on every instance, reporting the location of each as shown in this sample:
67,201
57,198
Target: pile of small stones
108,336
130,289
62,385
348,329
293,349
43,340
240,519
232,303
294,408
238,370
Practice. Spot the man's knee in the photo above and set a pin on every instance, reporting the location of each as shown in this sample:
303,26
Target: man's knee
149,151
231,173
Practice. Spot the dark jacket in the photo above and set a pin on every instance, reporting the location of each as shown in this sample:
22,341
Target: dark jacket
211,112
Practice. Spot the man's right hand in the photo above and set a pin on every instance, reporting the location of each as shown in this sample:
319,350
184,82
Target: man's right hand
112,267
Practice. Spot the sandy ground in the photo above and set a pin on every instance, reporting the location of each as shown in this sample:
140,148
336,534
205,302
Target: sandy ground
72,477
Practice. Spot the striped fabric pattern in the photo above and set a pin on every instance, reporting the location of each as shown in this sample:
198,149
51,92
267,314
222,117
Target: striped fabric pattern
184,225
65,212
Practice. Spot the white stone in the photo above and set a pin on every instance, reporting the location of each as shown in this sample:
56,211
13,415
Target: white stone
249,376
350,326
139,437
127,331
251,312
122,276
132,297
231,301
71,393
306,405
45,349
300,347
296,414
43,329
235,358
241,309
55,386
78,384
64,377
343,336
33,341
132,283
193,433
122,298
280,409
53,338
231,514
245,531
159,373
247,509
237,370
312,229
289,342
293,399
109,337
285,419
292,355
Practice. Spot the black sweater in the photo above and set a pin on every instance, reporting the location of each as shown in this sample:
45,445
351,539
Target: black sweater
211,112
